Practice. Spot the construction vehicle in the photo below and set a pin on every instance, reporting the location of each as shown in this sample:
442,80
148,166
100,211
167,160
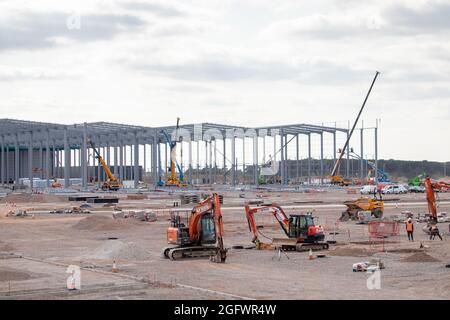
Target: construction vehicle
302,234
417,180
172,179
438,186
112,183
354,207
199,234
432,207
335,177
56,184
441,186
382,176
431,200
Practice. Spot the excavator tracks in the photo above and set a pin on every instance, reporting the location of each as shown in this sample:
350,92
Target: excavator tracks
312,246
178,253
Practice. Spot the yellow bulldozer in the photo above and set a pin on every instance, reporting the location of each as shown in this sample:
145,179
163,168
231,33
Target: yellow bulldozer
375,206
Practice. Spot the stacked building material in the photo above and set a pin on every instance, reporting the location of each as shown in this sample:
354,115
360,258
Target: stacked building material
189,198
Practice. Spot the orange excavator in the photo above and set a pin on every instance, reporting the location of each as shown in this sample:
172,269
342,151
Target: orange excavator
441,186
302,234
199,234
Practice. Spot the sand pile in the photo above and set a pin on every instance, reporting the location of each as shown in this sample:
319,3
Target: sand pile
7,274
118,250
350,252
104,223
420,257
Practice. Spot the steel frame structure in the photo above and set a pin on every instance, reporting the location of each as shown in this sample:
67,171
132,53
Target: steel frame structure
47,143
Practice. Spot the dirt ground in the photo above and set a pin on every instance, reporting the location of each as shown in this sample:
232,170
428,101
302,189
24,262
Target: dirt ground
35,252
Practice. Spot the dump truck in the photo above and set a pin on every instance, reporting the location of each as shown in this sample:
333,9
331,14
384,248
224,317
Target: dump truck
375,206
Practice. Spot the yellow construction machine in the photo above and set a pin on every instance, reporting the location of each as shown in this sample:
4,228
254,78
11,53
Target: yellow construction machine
375,206
112,183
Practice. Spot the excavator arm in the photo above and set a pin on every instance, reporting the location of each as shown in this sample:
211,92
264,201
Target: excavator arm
431,199
273,209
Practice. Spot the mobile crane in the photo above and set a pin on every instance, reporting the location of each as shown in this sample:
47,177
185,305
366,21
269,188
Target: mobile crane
198,235
172,179
112,183
381,175
335,177
302,234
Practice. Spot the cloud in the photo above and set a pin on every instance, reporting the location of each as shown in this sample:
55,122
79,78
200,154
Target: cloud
9,74
428,18
228,69
391,20
42,30
326,26
158,9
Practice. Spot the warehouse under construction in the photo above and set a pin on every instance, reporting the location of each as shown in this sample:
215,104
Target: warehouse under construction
32,152
300,211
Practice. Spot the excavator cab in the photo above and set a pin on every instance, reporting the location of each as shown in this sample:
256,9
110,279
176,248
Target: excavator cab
178,232
208,233
302,227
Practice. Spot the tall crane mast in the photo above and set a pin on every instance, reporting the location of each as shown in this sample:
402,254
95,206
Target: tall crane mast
335,177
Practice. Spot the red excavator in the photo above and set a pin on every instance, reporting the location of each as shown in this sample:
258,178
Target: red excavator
441,186
199,234
300,229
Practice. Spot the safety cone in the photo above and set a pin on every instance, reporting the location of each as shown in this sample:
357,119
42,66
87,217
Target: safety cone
114,268
311,257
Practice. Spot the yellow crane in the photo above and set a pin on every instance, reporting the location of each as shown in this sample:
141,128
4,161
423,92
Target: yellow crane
172,179
112,183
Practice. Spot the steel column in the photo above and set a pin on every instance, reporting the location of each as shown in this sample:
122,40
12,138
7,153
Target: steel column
16,161
2,169
309,158
136,161
321,158
66,160
30,161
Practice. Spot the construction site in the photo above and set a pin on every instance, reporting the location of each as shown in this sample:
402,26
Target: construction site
209,211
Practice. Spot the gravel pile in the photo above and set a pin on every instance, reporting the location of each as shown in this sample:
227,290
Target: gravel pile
104,223
420,257
118,250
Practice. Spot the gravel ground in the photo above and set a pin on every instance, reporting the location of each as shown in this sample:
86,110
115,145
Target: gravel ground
136,247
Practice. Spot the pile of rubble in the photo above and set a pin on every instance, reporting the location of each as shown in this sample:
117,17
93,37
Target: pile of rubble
73,210
141,215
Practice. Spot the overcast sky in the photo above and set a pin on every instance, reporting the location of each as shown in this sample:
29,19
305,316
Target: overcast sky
251,63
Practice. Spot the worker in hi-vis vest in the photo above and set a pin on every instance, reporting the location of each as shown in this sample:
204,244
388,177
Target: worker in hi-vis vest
410,229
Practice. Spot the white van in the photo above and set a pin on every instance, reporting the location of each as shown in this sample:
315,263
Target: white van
395,189
369,189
